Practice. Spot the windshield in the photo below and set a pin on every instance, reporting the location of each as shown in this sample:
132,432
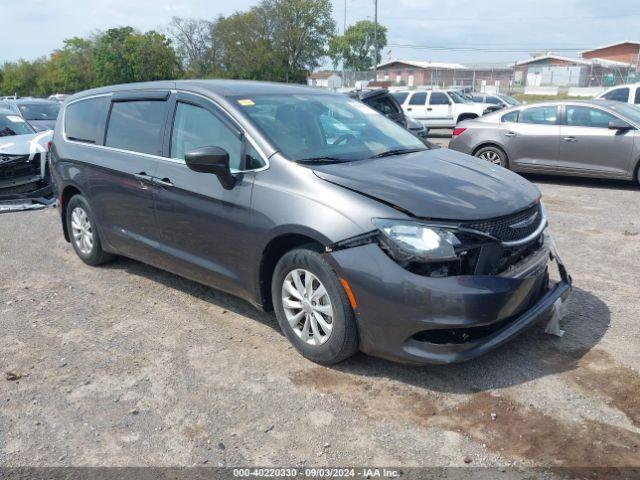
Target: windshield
325,126
630,111
11,125
39,111
458,98
509,100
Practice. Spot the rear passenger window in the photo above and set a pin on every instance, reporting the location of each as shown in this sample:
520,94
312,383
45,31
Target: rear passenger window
438,98
195,127
539,115
637,99
619,94
419,98
137,126
84,120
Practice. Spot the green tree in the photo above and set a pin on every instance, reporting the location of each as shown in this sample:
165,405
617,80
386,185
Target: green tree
197,50
21,77
124,55
70,69
356,49
301,33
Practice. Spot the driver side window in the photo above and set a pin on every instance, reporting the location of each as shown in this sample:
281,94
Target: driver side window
195,127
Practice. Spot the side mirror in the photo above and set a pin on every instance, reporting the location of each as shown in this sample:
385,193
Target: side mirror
211,160
618,124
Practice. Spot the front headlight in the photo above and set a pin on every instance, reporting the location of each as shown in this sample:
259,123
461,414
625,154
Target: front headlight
414,242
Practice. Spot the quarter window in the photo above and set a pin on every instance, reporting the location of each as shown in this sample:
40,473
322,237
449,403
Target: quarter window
195,127
588,117
438,98
619,94
510,117
637,99
84,120
137,126
419,98
539,115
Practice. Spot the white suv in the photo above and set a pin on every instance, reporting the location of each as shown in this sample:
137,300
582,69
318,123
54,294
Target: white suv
438,108
623,93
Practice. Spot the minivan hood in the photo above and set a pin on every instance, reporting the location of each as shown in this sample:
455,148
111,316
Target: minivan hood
439,184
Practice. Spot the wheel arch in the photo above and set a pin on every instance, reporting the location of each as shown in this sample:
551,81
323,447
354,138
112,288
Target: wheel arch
273,251
489,144
66,194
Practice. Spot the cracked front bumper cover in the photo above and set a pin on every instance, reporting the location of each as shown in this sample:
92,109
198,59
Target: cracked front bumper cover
397,309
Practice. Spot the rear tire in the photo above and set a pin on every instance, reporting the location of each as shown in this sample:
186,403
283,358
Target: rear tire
493,155
312,308
83,232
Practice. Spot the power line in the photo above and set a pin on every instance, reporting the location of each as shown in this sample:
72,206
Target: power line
485,49
565,18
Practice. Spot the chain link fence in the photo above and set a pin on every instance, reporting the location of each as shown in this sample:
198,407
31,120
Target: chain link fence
497,78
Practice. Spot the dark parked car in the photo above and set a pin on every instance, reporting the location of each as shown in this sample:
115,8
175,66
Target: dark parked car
593,138
41,114
383,101
24,174
312,204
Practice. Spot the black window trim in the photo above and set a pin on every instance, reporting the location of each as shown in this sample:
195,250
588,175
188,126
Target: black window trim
171,98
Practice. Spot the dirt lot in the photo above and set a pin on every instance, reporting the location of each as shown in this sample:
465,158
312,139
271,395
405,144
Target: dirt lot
127,365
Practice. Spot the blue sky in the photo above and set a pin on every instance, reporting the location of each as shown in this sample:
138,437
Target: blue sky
31,28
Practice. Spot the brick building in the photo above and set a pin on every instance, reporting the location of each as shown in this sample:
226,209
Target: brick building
625,52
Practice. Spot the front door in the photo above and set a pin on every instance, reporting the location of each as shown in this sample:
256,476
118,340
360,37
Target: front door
531,140
204,226
588,145
439,110
416,106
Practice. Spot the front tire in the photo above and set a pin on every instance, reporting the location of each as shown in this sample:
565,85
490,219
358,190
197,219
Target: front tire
493,155
312,308
83,232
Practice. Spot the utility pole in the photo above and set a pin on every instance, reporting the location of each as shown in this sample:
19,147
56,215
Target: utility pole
344,31
375,41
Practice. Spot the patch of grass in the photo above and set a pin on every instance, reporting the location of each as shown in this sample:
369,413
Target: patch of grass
521,97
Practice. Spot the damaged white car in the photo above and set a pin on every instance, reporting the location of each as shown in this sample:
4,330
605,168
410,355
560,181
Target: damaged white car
24,171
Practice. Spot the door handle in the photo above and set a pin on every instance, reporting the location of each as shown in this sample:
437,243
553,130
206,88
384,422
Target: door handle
142,177
510,134
429,109
409,109
569,139
164,182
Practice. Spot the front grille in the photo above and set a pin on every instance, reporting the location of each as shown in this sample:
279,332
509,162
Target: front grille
503,227
18,166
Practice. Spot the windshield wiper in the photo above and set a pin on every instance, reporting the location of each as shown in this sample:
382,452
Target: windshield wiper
398,151
322,160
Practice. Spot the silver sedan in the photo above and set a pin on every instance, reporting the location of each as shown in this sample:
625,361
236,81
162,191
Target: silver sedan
593,138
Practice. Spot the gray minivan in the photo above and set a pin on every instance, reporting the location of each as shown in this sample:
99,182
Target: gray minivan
314,205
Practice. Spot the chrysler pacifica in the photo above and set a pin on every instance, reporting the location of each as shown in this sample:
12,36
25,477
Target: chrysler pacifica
314,205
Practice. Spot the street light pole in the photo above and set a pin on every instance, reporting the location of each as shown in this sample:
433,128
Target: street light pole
375,41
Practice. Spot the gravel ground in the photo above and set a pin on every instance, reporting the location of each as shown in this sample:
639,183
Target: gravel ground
126,365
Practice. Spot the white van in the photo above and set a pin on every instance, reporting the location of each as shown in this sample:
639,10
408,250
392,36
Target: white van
623,93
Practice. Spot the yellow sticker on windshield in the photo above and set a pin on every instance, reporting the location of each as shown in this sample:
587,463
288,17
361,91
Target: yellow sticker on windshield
246,102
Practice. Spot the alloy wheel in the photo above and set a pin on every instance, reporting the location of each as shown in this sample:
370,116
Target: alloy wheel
491,156
307,306
81,230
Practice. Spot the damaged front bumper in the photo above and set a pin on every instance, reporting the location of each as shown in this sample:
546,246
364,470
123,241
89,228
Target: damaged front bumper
417,319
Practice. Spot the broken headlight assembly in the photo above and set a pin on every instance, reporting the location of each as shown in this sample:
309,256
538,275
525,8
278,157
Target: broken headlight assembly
408,241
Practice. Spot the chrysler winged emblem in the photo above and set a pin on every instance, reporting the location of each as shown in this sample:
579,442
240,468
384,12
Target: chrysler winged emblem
526,222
